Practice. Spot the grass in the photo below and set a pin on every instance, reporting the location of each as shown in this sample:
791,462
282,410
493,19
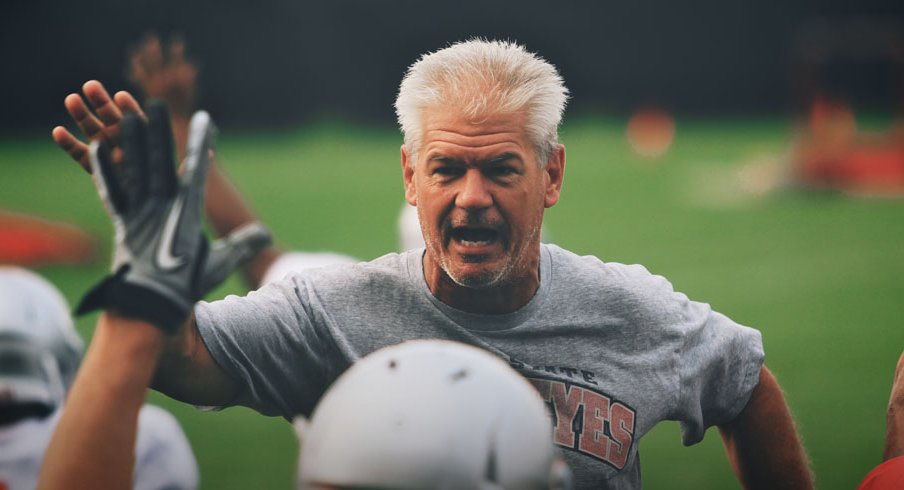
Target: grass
819,274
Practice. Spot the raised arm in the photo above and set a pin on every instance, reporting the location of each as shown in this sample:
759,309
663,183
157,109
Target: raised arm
762,442
94,441
147,184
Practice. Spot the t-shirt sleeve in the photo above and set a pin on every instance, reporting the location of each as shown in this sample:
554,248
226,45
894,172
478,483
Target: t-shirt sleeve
268,343
718,368
163,457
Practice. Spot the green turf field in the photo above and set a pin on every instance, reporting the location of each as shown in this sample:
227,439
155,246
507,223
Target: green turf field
821,275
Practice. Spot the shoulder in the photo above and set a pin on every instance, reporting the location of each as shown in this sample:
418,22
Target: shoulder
611,277
389,268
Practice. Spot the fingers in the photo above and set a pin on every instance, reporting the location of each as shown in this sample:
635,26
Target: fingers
201,139
161,171
90,125
148,58
177,52
77,150
127,103
107,177
239,247
103,122
135,169
103,104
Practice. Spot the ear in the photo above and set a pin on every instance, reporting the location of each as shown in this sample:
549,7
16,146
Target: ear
555,174
408,177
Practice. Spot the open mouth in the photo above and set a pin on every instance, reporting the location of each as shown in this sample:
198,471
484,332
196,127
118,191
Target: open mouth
474,237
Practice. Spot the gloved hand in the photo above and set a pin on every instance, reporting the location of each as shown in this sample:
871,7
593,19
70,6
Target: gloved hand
162,263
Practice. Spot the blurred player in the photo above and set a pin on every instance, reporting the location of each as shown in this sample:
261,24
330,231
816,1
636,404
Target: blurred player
829,151
40,352
890,474
29,241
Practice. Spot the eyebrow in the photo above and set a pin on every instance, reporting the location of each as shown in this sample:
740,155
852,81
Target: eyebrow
491,161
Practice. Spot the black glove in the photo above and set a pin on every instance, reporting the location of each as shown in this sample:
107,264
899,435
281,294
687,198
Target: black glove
162,263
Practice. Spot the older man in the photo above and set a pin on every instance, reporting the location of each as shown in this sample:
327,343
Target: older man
613,349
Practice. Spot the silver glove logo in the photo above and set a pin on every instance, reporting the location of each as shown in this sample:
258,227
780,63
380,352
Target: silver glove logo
165,258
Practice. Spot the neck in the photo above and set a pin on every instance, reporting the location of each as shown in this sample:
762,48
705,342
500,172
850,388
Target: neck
505,297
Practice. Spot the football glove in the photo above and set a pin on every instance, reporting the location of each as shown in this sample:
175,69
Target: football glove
162,263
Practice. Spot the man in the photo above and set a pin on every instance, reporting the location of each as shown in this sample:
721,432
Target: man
39,354
611,348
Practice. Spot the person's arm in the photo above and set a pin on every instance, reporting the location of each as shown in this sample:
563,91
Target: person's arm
93,445
188,373
894,417
226,210
191,362
762,442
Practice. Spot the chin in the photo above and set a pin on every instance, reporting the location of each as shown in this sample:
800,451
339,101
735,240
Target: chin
478,279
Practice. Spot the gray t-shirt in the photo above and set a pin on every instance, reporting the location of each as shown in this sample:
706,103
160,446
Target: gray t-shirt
612,348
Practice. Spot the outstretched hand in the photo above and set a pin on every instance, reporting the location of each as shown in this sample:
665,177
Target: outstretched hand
99,120
162,263
164,74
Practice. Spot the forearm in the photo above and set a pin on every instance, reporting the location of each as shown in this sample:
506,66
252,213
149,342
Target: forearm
894,417
762,442
226,210
93,445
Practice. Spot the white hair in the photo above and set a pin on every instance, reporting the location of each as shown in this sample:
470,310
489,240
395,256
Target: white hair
478,78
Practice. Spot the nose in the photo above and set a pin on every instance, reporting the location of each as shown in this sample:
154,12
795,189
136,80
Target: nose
474,192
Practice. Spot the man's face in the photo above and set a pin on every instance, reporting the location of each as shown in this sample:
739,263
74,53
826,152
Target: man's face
480,194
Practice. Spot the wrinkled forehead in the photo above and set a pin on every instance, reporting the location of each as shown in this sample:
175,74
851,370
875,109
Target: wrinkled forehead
446,130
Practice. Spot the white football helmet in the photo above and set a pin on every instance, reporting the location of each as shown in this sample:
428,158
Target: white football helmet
40,350
410,235
290,262
430,414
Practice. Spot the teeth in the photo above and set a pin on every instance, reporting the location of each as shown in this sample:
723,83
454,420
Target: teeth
469,243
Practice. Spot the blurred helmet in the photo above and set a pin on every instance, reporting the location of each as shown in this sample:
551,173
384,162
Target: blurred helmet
290,262
431,414
410,235
39,348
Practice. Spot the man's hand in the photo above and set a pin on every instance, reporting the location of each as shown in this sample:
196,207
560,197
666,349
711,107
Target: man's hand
166,75
102,124
162,263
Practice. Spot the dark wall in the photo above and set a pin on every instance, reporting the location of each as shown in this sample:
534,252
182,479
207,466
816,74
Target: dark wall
270,62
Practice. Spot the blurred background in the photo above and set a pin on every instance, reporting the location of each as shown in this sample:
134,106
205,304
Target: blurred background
751,152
